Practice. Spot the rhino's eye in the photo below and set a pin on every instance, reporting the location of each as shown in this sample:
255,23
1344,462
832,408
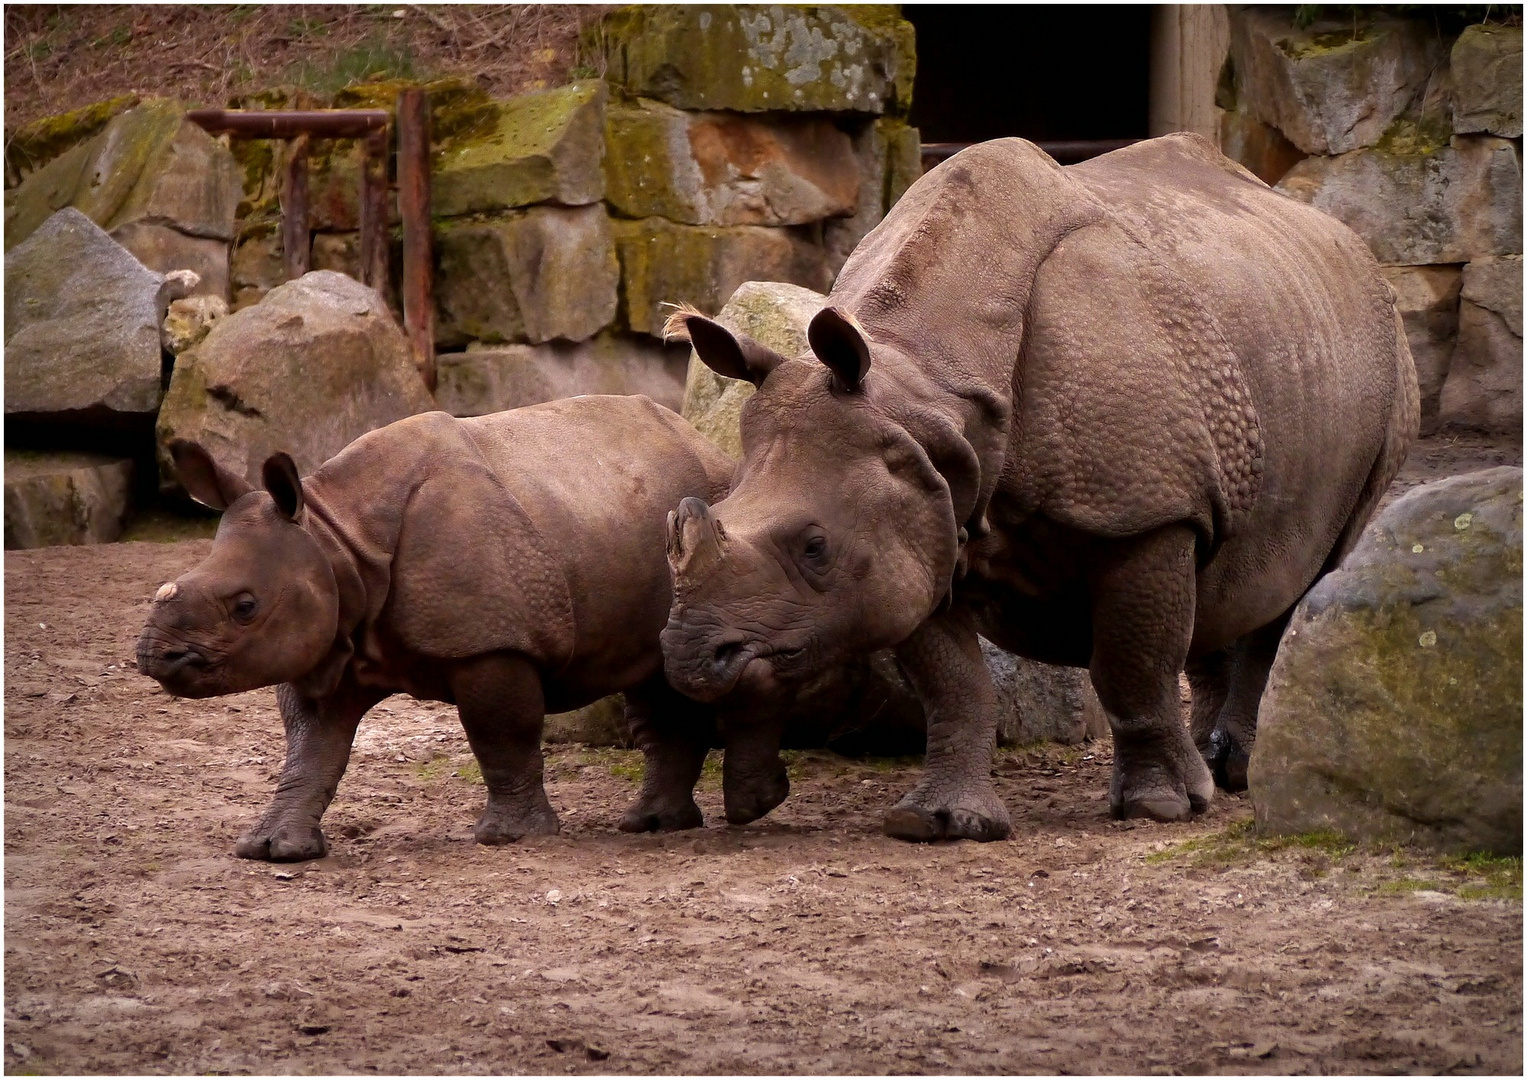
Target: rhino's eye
245,607
815,548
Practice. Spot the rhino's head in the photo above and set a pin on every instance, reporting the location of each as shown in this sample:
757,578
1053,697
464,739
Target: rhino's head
840,534
262,609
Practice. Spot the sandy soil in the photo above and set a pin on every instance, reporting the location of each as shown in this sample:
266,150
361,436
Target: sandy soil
807,943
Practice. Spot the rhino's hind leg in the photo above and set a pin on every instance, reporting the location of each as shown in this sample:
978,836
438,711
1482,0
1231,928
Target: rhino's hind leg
673,733
1232,687
502,709
955,798
1142,621
318,739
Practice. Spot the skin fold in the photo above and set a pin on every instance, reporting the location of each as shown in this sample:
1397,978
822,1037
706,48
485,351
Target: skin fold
1119,416
510,565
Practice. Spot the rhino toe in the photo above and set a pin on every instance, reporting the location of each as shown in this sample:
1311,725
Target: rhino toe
984,821
644,818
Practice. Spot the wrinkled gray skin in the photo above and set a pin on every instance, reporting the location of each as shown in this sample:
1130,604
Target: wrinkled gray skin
509,564
1120,415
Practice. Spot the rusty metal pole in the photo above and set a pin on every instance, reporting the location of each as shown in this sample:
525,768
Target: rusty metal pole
414,209
294,210
374,239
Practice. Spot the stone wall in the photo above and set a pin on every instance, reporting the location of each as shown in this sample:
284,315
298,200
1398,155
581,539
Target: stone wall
566,220
1412,137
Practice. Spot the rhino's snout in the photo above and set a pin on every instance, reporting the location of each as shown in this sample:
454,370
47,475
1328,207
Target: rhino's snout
705,670
175,665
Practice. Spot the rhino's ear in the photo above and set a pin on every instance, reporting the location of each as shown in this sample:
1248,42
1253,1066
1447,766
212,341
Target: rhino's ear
279,474
735,356
841,344
204,479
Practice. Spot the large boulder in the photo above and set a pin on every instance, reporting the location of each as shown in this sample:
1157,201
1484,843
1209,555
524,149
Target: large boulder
1487,80
725,169
758,58
528,275
542,147
488,379
65,498
1042,702
663,263
313,366
772,313
81,326
1484,381
1418,201
1427,300
163,187
1329,88
1394,708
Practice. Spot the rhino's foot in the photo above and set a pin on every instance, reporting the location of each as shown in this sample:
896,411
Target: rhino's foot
976,814
505,827
756,800
284,843
1227,758
652,815
1155,789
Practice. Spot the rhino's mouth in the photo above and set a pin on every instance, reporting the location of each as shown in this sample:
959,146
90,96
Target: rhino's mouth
180,668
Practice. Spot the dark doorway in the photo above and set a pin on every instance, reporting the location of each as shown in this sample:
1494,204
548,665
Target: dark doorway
1043,72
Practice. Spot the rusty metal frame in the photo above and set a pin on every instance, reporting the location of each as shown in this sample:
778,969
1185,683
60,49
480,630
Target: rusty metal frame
372,128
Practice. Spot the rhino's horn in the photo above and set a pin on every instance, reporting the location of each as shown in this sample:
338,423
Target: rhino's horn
694,536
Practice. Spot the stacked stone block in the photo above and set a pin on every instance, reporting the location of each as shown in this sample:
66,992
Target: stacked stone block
1414,140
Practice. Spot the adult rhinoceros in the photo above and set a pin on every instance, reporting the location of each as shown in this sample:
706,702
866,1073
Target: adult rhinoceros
1120,415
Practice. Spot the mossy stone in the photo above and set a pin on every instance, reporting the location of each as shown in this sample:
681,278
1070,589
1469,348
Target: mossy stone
1487,80
1394,708
663,264
772,313
34,145
758,58
541,147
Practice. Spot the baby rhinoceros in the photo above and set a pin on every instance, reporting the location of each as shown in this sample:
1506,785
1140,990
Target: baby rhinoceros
510,565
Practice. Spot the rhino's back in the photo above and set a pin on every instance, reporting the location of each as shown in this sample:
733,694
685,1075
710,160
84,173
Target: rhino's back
598,475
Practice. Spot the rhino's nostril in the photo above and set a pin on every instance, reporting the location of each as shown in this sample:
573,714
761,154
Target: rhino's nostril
726,652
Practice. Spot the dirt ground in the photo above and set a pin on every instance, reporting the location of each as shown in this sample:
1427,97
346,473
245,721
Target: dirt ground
806,943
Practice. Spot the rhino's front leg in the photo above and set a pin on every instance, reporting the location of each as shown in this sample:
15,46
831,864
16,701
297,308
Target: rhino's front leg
1143,603
674,734
955,798
319,734
503,709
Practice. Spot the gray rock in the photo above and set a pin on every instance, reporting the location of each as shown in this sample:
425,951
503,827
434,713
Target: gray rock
1432,203
1484,380
663,264
770,312
531,275
313,366
157,182
81,325
1042,702
1258,146
602,723
1487,80
726,169
1394,708
1327,90
65,498
488,379
1427,300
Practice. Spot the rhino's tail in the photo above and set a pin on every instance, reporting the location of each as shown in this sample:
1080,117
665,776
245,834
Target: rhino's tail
1404,426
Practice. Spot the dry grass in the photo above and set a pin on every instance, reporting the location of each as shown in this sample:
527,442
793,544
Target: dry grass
59,57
